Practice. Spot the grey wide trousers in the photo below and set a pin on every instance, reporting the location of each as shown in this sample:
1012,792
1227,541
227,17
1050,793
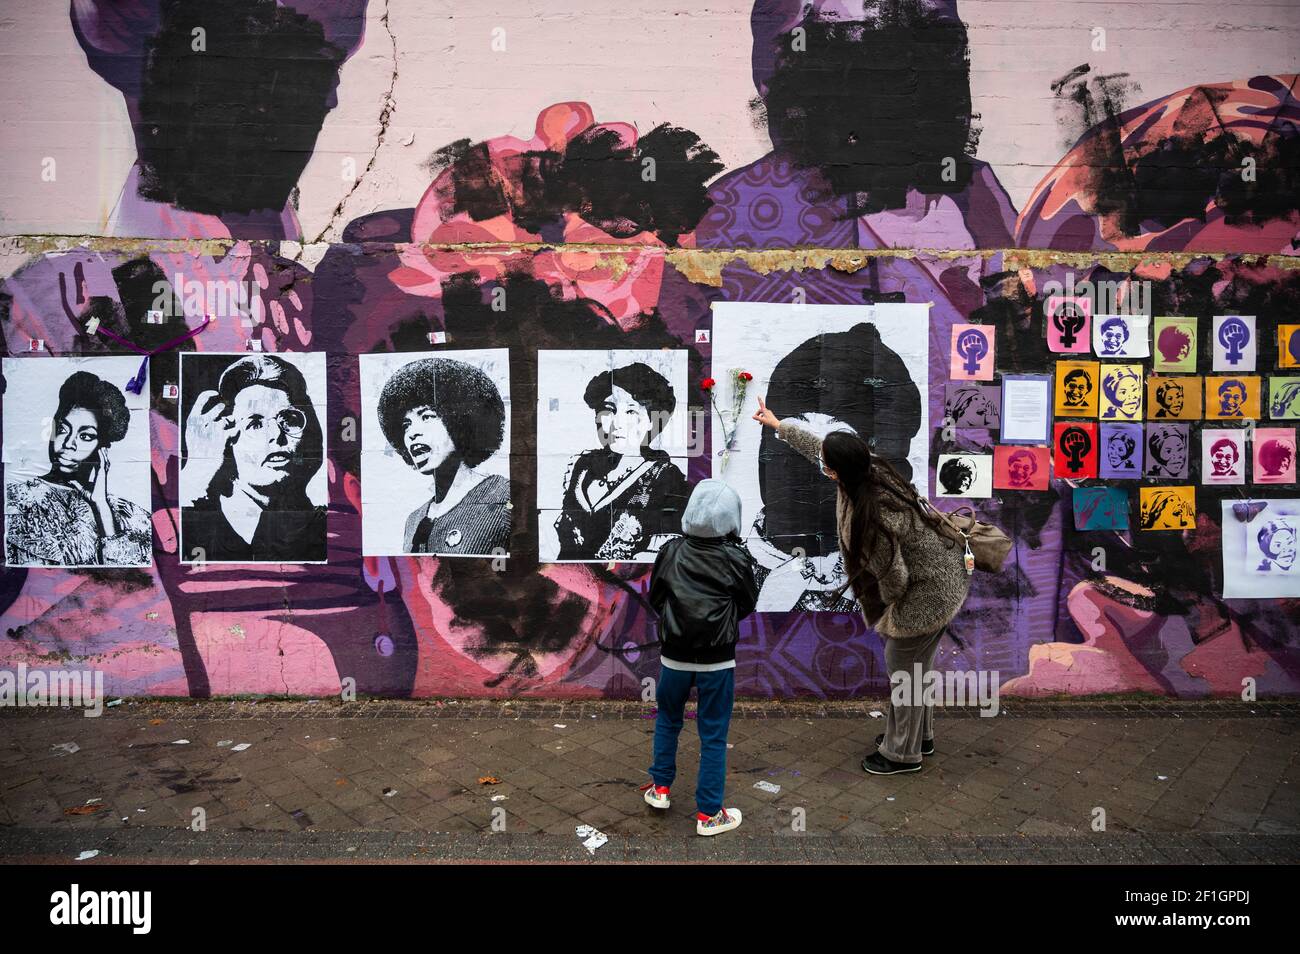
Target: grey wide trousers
907,725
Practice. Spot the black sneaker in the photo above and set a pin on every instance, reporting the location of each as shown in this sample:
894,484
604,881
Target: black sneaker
927,745
877,764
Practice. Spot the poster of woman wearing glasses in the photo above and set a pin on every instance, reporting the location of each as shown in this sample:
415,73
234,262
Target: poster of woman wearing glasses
252,483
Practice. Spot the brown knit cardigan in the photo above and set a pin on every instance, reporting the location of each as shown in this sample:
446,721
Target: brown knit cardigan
922,587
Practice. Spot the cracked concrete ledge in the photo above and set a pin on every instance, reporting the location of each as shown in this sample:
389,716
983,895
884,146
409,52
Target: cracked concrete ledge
703,266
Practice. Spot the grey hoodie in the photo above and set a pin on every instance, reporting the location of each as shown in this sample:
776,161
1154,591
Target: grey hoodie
713,510
703,583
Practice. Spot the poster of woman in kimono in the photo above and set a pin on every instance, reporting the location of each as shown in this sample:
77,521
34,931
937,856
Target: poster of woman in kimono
76,455
252,484
611,438
436,431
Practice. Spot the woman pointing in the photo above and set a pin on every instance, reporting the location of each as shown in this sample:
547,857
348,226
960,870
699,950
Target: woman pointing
909,580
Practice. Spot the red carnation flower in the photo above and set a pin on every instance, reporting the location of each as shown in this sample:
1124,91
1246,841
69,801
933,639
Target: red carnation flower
707,384
746,376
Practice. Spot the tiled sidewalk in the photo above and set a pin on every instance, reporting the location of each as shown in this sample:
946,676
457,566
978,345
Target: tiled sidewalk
1189,782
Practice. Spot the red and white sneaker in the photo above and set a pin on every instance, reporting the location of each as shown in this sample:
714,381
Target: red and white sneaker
725,820
656,796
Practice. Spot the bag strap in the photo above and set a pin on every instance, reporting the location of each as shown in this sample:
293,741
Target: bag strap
946,517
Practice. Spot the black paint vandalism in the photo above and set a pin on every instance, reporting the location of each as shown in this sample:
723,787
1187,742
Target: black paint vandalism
876,107
855,378
655,186
142,287
230,127
517,609
1154,183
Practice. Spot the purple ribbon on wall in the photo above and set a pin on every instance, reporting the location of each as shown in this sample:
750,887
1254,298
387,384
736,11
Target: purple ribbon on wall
136,384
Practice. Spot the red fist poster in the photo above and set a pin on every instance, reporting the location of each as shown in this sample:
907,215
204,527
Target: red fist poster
1074,450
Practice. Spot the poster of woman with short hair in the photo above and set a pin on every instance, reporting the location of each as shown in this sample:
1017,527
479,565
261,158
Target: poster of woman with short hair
1274,452
1223,456
611,461
1261,542
1175,343
1121,336
76,456
1171,398
1232,398
965,475
1077,388
253,481
1021,468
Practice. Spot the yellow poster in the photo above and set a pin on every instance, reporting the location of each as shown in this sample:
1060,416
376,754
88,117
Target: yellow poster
1167,508
1121,392
1288,346
1173,398
1232,398
1076,388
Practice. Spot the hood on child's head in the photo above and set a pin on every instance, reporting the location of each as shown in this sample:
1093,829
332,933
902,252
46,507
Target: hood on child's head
713,510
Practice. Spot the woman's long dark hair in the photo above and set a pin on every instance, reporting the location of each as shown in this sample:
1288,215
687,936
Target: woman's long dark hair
871,483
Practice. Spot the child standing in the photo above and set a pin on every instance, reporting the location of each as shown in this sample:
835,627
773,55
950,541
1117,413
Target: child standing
702,587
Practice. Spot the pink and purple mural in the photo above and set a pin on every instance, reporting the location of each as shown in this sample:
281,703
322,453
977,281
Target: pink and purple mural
572,226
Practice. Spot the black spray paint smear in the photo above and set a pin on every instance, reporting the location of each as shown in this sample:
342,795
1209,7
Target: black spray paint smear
877,108
855,378
1154,184
517,609
230,128
142,287
656,186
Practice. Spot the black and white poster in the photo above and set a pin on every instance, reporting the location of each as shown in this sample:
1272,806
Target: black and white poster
861,368
1259,548
435,453
964,475
76,456
611,459
253,483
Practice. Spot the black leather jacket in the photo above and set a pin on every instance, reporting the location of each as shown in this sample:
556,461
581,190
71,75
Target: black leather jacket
702,587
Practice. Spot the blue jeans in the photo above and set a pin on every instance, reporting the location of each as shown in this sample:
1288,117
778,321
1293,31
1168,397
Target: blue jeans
717,690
